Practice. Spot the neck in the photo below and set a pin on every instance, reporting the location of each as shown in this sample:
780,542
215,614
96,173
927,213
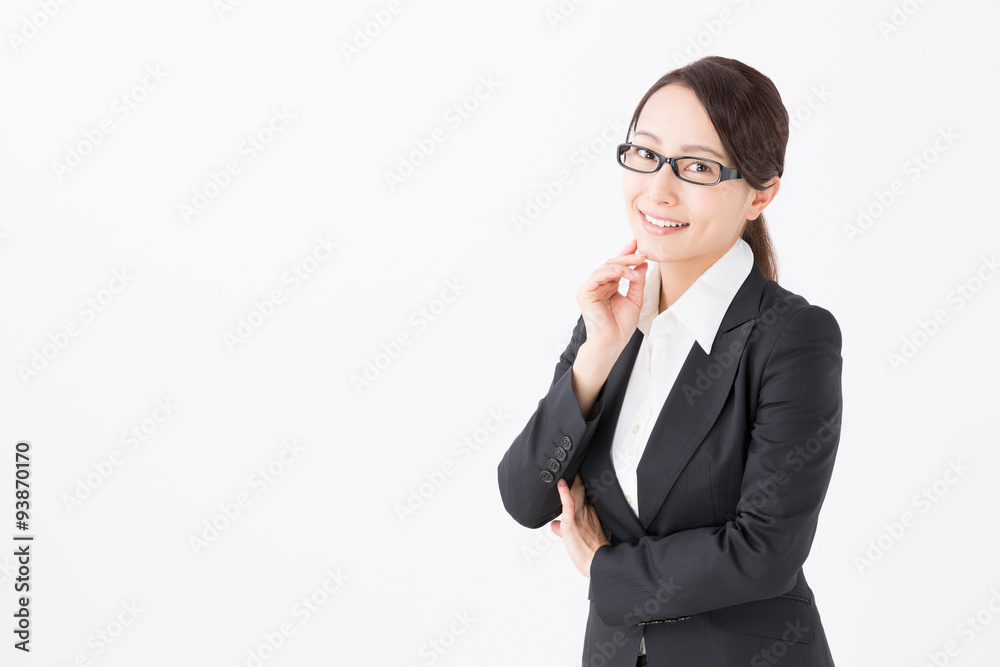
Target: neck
677,277
673,283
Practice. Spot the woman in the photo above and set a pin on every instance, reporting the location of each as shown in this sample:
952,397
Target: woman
689,433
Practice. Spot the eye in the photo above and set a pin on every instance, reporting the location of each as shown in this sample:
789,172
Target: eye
645,153
700,167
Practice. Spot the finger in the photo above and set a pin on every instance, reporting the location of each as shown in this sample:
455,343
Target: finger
629,247
611,273
630,259
567,500
556,528
578,492
637,285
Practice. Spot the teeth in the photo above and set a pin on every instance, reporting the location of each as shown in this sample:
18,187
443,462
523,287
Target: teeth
664,223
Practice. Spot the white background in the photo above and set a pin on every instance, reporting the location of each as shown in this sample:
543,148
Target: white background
864,102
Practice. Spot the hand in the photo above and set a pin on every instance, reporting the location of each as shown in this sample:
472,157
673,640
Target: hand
611,318
582,533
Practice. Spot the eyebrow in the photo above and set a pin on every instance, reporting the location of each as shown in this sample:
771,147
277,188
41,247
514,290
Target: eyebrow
685,147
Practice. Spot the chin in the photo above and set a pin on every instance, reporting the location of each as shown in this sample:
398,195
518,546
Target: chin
651,245
648,246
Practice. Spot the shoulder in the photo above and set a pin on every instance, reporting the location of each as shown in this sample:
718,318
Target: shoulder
785,314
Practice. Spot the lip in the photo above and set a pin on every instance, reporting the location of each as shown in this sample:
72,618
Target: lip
658,217
659,231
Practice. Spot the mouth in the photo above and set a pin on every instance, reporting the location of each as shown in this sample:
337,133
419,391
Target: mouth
661,225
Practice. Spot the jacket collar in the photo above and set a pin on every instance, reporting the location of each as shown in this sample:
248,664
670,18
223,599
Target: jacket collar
702,306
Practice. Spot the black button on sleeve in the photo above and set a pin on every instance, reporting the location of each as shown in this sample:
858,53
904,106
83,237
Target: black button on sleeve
567,443
547,477
560,454
553,465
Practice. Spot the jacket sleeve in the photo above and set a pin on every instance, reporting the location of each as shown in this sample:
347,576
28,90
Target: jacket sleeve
528,472
757,554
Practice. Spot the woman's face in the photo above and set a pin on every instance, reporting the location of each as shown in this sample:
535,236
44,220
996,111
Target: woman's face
674,123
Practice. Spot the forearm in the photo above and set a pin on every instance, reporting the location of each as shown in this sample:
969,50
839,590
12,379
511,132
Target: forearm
527,482
696,570
525,476
590,372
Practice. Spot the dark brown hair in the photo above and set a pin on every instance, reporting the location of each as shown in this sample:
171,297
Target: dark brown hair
752,122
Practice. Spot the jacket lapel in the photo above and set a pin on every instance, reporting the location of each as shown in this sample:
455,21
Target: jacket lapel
695,400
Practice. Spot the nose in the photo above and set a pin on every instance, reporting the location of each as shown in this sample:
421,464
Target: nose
662,185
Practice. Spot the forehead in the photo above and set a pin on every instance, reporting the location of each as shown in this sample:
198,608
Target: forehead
673,117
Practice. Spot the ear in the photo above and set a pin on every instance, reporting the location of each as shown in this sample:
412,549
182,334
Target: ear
761,198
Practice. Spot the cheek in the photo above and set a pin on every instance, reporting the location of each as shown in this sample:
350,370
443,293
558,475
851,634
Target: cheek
714,209
629,191
737,204
633,186
701,205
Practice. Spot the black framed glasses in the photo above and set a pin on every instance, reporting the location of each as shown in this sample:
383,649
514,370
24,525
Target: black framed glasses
697,170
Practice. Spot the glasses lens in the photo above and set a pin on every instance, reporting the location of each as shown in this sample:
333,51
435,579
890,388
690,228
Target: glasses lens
698,171
638,158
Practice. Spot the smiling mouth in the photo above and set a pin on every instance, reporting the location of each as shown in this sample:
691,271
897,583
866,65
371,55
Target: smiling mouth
665,223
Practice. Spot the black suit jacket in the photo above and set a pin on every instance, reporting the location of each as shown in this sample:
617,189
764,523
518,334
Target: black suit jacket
730,487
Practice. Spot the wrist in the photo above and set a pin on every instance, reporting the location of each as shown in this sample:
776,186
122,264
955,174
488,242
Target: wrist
597,359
